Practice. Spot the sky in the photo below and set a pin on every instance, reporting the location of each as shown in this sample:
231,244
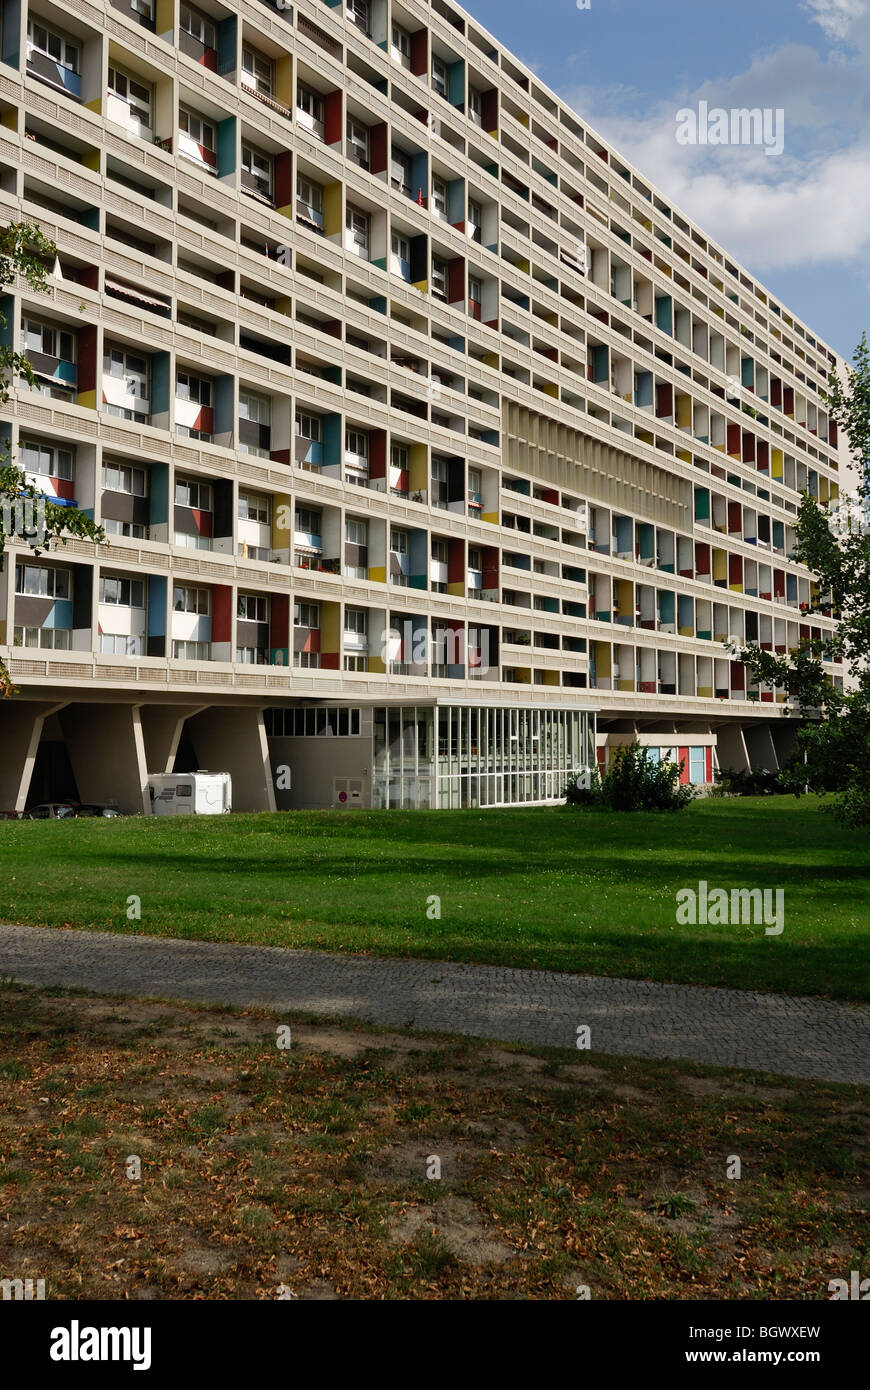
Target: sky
800,220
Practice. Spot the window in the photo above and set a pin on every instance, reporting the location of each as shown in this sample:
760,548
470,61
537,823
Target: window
253,506
475,290
401,45
257,72
257,171
310,105
252,656
358,141
309,201
308,521
123,593
308,427
439,75
475,221
198,26
356,621
356,532
133,530
257,410
356,663
55,638
190,492
439,277
357,444
358,14
187,599
475,106
475,558
46,460
193,388
400,170
697,765
41,39
252,608
200,131
135,96
42,582
400,247
358,230
51,341
475,483
439,198
306,615
191,651
120,644
131,369
119,477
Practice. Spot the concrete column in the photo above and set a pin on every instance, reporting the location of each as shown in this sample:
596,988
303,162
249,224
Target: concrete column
233,739
21,724
759,745
731,748
107,752
784,735
161,728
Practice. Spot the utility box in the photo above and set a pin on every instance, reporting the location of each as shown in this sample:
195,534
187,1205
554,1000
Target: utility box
191,793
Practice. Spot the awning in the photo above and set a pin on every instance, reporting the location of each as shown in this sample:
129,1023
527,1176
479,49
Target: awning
126,292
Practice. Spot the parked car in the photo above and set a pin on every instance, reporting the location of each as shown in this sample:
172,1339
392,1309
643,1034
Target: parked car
97,809
52,810
9,815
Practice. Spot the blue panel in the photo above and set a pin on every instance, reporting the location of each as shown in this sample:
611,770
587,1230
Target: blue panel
226,147
60,615
420,175
226,51
333,444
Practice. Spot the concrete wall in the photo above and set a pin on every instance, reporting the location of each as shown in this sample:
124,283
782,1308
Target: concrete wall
314,764
233,740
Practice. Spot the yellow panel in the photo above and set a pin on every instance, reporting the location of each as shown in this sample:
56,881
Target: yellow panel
551,678
376,666
602,658
165,16
625,685
418,468
720,565
284,80
283,306
2,632
551,389
91,159
281,535
456,588
333,214
491,517
706,692
491,360
776,463
687,632
524,266
88,399
684,410
10,118
286,210
378,574
685,455
422,286
94,105
330,627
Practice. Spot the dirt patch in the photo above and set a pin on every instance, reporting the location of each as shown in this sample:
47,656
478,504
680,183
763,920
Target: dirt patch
459,1224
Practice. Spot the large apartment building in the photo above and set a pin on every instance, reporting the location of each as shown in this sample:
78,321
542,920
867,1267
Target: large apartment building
437,452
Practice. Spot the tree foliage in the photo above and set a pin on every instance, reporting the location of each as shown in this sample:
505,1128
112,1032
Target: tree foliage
632,782
25,254
834,740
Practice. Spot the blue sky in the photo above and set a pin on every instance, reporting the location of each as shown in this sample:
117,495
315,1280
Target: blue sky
800,221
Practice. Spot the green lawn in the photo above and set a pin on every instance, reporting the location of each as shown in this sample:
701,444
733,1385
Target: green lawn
553,888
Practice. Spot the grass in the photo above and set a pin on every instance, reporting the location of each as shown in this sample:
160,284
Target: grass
554,888
556,1173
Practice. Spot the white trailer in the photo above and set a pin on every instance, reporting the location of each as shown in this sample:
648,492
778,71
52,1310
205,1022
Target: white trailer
191,793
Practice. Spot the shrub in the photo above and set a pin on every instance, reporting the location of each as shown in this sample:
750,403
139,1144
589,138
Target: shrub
633,782
757,783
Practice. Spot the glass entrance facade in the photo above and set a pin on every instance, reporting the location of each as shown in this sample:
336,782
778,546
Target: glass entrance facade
454,755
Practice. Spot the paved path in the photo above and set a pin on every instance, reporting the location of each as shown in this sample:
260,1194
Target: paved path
634,1018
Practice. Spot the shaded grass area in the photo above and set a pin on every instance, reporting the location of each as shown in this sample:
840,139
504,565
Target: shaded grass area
552,888
302,1173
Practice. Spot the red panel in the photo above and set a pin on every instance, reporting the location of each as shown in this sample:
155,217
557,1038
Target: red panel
420,53
735,517
378,148
378,454
779,584
738,675
279,620
762,456
489,109
788,400
221,613
664,400
748,447
550,494
776,392
333,122
204,523
283,179
708,765
209,59
702,558
86,351
329,661
735,569
733,442
490,567
456,562
832,434
456,280
683,755
63,488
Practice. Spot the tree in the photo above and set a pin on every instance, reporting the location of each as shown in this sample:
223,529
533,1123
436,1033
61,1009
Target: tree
834,740
25,512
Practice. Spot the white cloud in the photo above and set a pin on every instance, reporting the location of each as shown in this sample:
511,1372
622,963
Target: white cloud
837,17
